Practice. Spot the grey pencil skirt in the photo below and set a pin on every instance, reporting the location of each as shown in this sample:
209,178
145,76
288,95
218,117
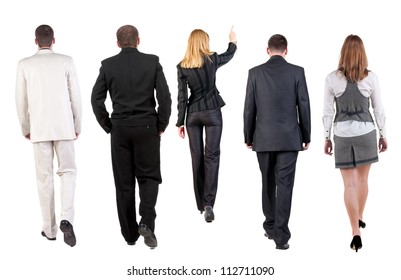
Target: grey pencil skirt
355,151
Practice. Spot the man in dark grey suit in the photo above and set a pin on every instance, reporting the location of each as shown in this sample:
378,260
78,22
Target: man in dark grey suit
131,78
277,125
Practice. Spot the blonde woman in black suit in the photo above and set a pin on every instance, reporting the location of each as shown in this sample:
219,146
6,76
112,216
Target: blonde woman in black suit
201,113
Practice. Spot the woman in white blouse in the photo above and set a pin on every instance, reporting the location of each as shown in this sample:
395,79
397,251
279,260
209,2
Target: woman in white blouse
348,92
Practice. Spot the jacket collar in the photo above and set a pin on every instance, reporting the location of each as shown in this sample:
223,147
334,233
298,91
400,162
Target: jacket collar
44,51
129,50
276,59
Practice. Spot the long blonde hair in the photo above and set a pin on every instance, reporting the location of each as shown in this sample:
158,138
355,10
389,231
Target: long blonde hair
197,49
353,61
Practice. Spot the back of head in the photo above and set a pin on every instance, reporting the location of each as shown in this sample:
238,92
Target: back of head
277,43
197,49
353,61
127,36
44,36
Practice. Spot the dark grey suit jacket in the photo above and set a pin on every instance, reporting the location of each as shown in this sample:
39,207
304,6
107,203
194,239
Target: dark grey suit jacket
277,109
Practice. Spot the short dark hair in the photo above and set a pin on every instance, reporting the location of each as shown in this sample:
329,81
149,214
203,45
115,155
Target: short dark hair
127,36
44,35
277,42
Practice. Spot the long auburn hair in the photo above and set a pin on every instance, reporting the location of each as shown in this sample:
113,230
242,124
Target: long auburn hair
353,61
197,49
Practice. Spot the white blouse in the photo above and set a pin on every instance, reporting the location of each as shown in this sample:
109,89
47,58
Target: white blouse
335,87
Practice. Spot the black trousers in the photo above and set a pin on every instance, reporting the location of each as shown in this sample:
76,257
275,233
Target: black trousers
278,174
135,155
205,154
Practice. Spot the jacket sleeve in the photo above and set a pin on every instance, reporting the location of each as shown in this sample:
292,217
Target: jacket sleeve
75,97
227,55
163,98
303,108
99,95
21,100
249,111
182,98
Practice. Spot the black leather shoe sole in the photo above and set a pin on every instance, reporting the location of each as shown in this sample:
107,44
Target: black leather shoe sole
209,214
282,246
148,235
69,236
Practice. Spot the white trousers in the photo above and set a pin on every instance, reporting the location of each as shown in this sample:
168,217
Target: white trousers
44,155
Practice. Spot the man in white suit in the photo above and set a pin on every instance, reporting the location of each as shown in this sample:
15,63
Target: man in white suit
49,109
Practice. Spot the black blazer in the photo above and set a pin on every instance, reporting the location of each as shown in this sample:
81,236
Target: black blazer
202,83
277,109
131,78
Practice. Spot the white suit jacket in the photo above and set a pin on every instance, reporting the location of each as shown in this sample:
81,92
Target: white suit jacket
48,97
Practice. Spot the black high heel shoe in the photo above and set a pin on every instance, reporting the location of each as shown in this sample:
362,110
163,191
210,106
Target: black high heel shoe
356,243
362,224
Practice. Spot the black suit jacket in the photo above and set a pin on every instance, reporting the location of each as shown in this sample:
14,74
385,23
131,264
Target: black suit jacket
277,110
131,78
202,83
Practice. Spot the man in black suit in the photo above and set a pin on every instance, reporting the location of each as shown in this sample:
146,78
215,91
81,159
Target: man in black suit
131,78
277,125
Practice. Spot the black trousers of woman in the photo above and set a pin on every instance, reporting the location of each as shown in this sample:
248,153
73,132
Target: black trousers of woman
135,155
205,153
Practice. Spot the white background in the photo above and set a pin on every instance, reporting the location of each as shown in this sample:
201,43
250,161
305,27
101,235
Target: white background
320,228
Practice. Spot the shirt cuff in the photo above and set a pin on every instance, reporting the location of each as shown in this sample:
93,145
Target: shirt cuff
382,132
327,135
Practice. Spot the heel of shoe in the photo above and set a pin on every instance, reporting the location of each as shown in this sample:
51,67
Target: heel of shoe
362,224
356,243
209,214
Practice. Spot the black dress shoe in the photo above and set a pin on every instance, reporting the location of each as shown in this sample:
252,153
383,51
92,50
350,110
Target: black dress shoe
148,235
209,215
48,238
268,236
69,236
131,243
282,246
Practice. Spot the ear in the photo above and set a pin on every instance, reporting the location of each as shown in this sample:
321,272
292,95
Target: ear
139,40
118,44
53,41
269,52
36,42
